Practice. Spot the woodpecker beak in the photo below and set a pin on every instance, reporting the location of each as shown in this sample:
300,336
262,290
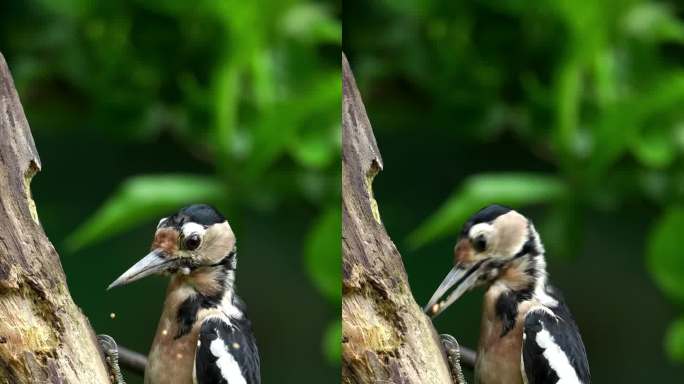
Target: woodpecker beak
154,262
463,278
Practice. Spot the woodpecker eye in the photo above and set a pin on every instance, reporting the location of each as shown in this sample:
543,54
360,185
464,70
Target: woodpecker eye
192,242
479,243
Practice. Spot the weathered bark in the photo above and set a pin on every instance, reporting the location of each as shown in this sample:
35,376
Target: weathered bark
386,336
44,337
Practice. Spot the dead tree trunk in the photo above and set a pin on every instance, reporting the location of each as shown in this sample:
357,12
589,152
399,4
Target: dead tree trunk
44,337
386,336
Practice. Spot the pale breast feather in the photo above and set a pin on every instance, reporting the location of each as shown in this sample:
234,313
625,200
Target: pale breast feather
226,353
553,351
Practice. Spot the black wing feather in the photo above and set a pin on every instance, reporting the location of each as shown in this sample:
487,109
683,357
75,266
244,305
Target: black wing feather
564,331
239,341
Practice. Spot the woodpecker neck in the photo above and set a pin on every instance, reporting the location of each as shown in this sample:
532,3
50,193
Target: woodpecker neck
212,280
524,273
207,286
523,279
527,269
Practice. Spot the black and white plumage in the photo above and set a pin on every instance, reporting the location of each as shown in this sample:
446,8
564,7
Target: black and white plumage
553,351
204,335
226,353
528,334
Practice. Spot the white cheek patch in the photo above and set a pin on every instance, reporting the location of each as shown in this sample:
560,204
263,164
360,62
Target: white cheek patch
511,233
190,228
161,222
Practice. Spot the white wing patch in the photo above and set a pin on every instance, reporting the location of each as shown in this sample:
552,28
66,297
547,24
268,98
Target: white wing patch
557,359
522,362
230,370
194,368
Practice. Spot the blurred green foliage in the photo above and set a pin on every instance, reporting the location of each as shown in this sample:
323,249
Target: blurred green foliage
675,340
478,191
144,197
251,89
665,255
585,97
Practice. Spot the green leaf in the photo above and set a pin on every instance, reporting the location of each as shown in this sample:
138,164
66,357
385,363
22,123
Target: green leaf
263,75
567,140
227,86
332,342
664,255
653,22
312,23
655,148
323,254
515,189
619,126
141,198
317,148
674,340
278,129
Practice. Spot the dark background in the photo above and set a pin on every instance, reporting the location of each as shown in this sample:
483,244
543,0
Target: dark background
233,103
472,101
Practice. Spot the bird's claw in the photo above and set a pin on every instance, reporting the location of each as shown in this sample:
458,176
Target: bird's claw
453,353
111,353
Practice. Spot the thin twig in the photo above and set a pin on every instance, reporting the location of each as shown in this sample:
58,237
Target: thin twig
132,361
468,357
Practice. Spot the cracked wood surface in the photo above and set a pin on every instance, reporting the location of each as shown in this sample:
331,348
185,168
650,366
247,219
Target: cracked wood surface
386,338
44,336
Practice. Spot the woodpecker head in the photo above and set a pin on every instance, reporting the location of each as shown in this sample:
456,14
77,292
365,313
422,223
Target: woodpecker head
490,243
196,236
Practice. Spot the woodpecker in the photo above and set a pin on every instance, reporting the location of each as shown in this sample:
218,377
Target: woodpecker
528,334
203,335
